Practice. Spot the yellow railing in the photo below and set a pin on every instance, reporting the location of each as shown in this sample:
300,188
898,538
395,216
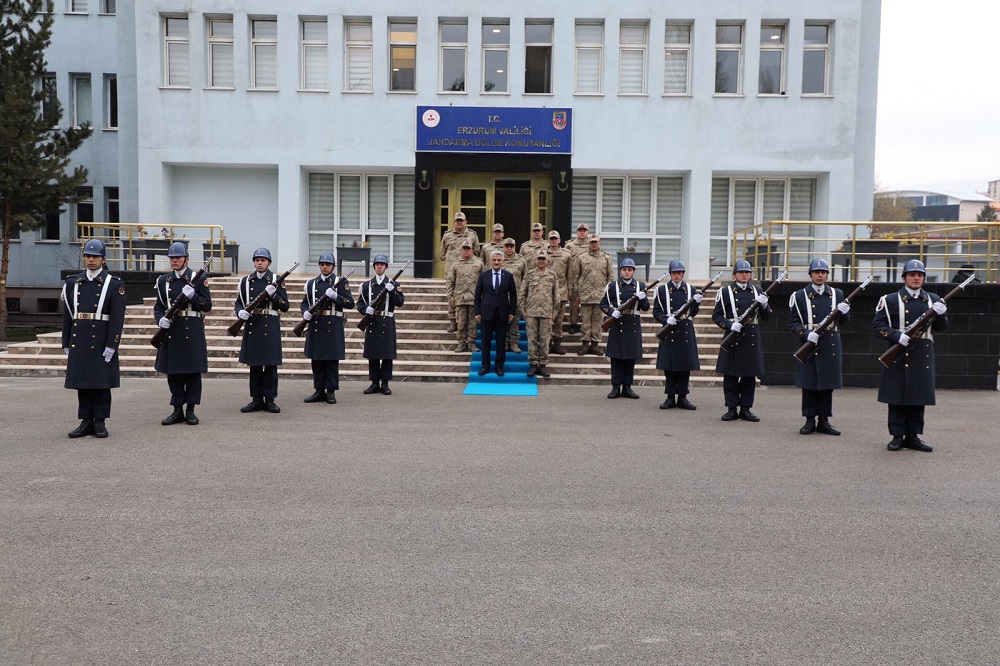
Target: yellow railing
881,249
136,247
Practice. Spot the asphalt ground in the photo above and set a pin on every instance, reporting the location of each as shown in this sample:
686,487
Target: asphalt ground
434,528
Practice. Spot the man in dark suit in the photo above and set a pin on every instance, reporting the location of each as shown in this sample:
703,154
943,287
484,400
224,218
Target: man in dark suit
494,308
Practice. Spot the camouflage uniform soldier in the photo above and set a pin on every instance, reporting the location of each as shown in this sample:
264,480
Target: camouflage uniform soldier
575,247
461,281
592,272
495,244
451,244
539,296
559,264
530,248
513,263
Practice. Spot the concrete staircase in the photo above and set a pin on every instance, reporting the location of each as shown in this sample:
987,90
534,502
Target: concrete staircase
424,345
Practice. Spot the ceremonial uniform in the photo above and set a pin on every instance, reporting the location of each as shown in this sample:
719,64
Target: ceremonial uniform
261,346
183,353
461,286
677,354
380,336
538,296
822,372
742,364
624,346
592,271
325,339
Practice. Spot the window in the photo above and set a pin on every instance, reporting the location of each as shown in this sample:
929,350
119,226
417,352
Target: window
110,101
632,59
454,38
111,204
77,6
264,54
402,56
728,59
176,52
589,58
83,212
314,55
816,60
496,56
49,230
50,100
538,58
677,59
109,6
82,103
772,60
220,52
359,56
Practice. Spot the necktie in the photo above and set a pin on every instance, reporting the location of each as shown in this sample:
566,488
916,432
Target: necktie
496,280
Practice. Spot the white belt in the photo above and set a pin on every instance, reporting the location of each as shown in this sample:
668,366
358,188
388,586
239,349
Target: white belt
330,313
188,313
815,326
93,315
385,314
265,311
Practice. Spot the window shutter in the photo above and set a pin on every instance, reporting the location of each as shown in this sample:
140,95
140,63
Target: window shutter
315,66
321,201
222,65
588,70
350,202
669,206
585,201
612,205
675,72
180,64
640,206
403,204
774,201
378,203
631,69
266,66
359,68
744,204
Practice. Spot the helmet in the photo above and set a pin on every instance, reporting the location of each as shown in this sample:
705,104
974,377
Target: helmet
677,265
177,249
380,259
914,266
94,248
626,263
819,265
262,253
326,258
742,265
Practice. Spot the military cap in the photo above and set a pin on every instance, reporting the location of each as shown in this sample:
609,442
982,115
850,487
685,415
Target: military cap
537,226
498,227
325,258
262,252
94,248
177,249
380,259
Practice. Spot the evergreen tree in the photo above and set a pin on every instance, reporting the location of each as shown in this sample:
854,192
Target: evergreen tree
987,214
34,157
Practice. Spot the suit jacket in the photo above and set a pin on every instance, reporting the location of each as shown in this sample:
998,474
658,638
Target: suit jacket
492,302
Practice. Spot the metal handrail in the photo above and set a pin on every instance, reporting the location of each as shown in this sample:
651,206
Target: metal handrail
126,242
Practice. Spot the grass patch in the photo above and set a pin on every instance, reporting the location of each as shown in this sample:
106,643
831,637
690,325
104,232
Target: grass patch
28,334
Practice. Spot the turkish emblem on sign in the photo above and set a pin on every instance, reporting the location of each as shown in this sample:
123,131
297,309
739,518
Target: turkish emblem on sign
559,119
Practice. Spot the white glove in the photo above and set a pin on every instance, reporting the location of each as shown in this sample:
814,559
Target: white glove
271,290
641,295
940,307
812,337
66,351
369,310
389,286
163,323
844,307
737,326
330,293
307,315
243,314
616,313
671,320
109,353
762,299
188,292
698,298
904,339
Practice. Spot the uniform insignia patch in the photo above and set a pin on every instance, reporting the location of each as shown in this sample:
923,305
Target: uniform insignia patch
121,291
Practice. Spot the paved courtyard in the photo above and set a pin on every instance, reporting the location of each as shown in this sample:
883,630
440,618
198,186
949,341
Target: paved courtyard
434,528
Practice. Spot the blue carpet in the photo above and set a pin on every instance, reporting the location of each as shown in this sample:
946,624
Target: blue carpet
515,380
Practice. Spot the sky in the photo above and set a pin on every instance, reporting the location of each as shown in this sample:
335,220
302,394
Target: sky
938,96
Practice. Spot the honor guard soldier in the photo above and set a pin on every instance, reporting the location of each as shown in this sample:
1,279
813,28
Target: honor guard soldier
325,332
514,264
677,355
494,245
538,296
559,265
380,336
624,345
907,386
592,272
460,280
742,364
575,247
820,374
261,348
93,319
451,246
183,354
530,248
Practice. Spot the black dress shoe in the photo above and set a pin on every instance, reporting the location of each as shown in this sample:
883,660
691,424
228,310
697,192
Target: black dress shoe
85,428
809,427
177,416
532,370
271,407
101,432
385,389
616,392
317,396
747,415
374,388
896,444
331,398
824,427
254,405
190,418
483,371
684,403
669,403
543,373
499,372
730,415
627,392
917,444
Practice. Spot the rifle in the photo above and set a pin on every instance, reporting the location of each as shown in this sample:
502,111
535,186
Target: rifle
377,303
683,310
236,326
609,321
920,326
830,320
178,305
320,304
730,339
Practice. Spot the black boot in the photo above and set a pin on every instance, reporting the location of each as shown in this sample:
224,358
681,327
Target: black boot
190,418
627,392
669,403
385,389
543,373
331,398
730,415
373,388
913,442
100,431
584,348
616,392
532,370
809,427
557,347
85,428
254,405
896,444
271,407
176,417
684,403
824,427
317,396
747,415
